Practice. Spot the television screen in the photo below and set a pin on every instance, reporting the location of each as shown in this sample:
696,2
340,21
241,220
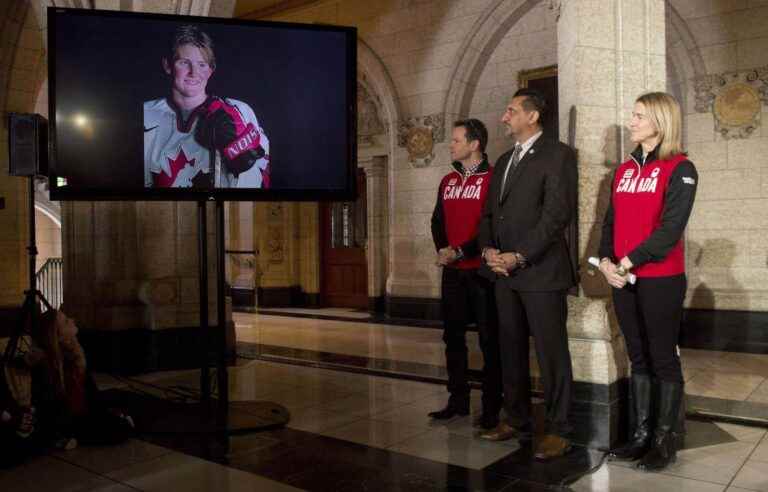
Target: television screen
161,107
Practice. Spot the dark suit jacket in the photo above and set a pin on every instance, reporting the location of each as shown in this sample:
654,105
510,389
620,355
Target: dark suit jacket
538,205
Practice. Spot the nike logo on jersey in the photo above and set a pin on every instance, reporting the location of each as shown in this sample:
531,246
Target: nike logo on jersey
150,129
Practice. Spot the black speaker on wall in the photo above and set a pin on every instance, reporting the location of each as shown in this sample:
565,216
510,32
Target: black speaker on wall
27,144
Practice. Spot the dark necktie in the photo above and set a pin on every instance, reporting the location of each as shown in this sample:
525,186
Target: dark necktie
513,162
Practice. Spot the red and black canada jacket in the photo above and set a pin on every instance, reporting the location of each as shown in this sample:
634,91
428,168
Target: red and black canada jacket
651,201
460,201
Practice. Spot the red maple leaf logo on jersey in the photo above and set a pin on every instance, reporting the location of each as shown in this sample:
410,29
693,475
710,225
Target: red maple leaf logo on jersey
182,171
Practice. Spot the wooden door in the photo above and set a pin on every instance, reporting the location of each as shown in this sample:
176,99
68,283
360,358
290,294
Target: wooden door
344,277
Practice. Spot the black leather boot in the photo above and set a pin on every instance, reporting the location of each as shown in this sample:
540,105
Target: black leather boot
456,406
640,442
664,448
680,428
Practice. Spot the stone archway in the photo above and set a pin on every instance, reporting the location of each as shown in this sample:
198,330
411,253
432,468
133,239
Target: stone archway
501,15
684,60
373,75
376,150
486,34
685,53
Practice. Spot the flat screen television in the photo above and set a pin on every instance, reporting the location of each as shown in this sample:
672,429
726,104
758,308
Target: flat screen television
165,107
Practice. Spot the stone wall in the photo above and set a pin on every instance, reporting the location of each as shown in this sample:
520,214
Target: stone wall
21,69
530,44
48,236
454,58
727,236
286,236
419,45
422,46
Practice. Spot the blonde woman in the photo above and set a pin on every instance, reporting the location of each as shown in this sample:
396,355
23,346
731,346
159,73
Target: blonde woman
652,196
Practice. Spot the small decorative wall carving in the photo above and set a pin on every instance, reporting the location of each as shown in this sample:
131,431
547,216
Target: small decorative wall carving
275,212
735,98
419,135
556,6
275,242
275,250
369,122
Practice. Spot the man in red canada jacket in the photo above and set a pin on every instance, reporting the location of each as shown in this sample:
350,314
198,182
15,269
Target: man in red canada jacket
465,295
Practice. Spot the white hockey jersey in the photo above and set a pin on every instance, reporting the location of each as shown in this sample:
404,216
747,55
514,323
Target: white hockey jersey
173,158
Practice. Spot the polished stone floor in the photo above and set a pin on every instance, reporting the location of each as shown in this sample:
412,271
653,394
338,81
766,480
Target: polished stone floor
732,376
358,423
360,432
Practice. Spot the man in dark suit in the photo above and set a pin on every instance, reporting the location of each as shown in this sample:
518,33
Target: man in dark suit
531,201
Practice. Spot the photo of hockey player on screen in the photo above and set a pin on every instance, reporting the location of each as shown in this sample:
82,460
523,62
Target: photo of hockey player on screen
186,108
189,126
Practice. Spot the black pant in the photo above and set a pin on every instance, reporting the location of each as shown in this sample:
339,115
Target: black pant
649,314
542,315
467,297
15,449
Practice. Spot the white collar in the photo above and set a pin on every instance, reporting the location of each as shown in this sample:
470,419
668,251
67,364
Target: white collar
526,146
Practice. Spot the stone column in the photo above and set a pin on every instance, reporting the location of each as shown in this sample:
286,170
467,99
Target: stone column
131,281
286,234
241,265
308,235
14,218
275,226
609,52
377,211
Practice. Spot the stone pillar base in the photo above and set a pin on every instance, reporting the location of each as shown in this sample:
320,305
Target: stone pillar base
129,352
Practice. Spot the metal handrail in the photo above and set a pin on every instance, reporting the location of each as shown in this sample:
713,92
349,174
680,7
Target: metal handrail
50,281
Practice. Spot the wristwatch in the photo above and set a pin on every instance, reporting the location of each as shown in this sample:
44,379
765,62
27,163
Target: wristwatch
459,253
520,261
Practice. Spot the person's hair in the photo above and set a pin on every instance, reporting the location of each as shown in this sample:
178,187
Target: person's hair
189,34
534,101
475,130
45,335
58,356
664,112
